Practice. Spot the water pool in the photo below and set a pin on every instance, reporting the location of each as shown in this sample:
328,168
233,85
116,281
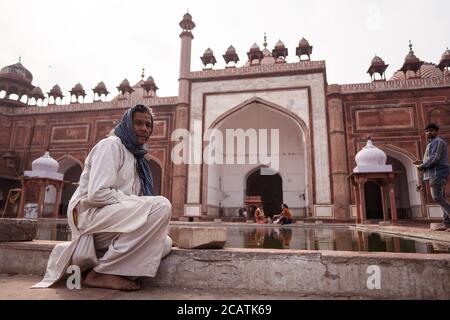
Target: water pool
326,238
294,237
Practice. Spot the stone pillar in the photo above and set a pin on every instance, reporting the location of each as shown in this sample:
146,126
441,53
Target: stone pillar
392,200
339,168
361,241
20,213
357,201
41,199
383,202
59,188
179,173
362,201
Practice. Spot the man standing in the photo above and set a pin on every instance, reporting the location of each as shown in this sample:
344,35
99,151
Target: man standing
436,170
119,229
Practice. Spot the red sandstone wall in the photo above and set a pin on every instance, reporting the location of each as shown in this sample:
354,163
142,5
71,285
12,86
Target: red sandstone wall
74,134
396,119
5,137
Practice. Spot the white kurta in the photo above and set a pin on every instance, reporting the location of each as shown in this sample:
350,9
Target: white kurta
111,216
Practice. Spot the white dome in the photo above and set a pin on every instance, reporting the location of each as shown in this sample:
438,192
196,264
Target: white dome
45,163
45,167
370,155
371,159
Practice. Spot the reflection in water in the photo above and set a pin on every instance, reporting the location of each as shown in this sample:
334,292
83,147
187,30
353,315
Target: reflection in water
341,239
269,238
49,231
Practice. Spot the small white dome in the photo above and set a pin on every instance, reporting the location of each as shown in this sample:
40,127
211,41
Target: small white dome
371,159
45,163
370,156
45,167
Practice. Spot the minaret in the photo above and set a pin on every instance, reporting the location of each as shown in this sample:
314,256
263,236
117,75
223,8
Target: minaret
185,57
179,177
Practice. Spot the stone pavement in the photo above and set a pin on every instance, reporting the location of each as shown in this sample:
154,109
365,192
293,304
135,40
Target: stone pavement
17,287
415,231
229,273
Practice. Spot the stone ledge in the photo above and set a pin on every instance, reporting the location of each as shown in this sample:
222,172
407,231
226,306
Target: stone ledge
17,230
190,219
407,232
200,237
330,273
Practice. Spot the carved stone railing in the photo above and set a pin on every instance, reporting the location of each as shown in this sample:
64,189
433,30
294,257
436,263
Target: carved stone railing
409,84
100,105
259,69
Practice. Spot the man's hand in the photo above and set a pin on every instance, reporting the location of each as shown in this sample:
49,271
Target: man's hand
418,162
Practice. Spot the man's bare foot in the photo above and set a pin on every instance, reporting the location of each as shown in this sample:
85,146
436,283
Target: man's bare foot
109,281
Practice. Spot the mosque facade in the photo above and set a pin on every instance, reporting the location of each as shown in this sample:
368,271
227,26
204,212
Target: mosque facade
320,128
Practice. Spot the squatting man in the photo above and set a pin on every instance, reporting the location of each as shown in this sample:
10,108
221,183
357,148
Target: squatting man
119,229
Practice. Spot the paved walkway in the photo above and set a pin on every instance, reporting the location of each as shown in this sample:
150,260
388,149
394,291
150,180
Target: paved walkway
421,231
17,287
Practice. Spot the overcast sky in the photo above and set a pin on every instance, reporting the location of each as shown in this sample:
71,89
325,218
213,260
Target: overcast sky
66,42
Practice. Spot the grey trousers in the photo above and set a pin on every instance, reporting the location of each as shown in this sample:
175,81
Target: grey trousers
438,193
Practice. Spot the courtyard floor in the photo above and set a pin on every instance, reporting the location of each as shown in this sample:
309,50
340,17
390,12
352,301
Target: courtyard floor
17,287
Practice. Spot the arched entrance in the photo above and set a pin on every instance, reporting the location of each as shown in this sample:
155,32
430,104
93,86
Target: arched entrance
269,188
374,204
408,198
402,201
72,170
156,170
225,184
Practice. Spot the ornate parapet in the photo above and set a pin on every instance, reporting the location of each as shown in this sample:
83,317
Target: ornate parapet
410,84
77,107
300,67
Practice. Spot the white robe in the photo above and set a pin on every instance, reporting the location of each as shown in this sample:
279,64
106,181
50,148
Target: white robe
107,202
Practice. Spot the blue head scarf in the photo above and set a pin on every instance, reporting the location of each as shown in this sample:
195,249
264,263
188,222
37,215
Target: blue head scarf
125,131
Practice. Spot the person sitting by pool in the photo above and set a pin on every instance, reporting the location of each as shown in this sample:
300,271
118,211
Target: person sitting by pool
286,216
276,217
259,215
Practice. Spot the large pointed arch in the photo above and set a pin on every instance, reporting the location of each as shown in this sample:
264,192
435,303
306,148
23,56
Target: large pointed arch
72,168
407,159
68,161
299,122
267,104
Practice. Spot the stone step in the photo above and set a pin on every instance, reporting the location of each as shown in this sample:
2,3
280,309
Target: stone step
319,273
199,237
15,287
